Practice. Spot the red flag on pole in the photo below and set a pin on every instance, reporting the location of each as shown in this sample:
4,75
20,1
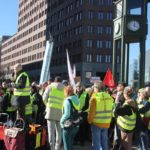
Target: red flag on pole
108,79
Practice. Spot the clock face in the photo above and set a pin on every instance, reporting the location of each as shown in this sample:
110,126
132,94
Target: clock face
133,25
117,28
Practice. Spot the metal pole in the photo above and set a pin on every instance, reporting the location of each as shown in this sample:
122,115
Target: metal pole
114,62
142,63
127,63
122,74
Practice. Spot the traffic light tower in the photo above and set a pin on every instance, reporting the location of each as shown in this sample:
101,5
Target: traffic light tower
130,26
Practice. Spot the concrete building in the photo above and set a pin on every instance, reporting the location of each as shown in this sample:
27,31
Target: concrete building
2,39
84,27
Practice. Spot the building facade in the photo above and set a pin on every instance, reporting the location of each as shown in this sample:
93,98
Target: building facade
84,27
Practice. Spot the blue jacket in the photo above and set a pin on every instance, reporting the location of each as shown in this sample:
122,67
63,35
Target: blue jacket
67,108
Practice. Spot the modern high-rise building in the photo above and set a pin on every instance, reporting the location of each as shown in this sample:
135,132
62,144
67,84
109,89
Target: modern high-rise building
84,27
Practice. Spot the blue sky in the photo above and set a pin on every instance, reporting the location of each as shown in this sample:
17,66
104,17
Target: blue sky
8,17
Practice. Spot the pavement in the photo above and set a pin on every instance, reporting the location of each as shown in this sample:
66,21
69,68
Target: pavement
87,146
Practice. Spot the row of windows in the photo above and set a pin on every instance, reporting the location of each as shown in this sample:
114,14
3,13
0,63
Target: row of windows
99,29
30,5
79,30
99,44
64,23
100,58
100,15
71,45
68,34
62,60
101,2
70,7
20,53
23,24
25,59
25,33
27,41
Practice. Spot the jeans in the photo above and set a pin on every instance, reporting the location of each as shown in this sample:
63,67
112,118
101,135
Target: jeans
54,129
99,138
117,138
68,137
143,140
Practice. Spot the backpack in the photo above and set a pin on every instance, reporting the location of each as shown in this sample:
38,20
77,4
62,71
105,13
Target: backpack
75,119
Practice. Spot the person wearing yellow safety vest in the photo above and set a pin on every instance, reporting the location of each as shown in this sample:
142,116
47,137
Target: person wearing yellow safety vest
83,97
70,111
53,98
99,116
29,112
119,100
126,119
38,106
144,110
11,110
21,90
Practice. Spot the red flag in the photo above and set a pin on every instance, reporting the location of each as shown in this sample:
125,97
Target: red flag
108,79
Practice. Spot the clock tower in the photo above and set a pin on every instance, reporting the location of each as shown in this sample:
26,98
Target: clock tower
130,26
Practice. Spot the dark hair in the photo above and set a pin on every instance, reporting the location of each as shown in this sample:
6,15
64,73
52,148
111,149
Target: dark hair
122,83
57,79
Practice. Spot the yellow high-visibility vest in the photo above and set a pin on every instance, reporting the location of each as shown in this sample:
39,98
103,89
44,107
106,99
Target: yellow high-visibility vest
147,114
127,122
25,91
82,99
104,108
56,98
149,125
11,108
28,107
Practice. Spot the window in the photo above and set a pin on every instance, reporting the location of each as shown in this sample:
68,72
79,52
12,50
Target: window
80,29
90,29
91,2
79,3
108,30
108,44
107,58
90,14
99,44
78,16
100,30
89,43
98,58
109,16
101,2
110,3
100,15
89,58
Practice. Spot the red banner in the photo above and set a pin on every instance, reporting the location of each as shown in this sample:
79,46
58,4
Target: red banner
108,79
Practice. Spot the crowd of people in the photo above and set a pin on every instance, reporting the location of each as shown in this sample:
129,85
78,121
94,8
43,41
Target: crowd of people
108,118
